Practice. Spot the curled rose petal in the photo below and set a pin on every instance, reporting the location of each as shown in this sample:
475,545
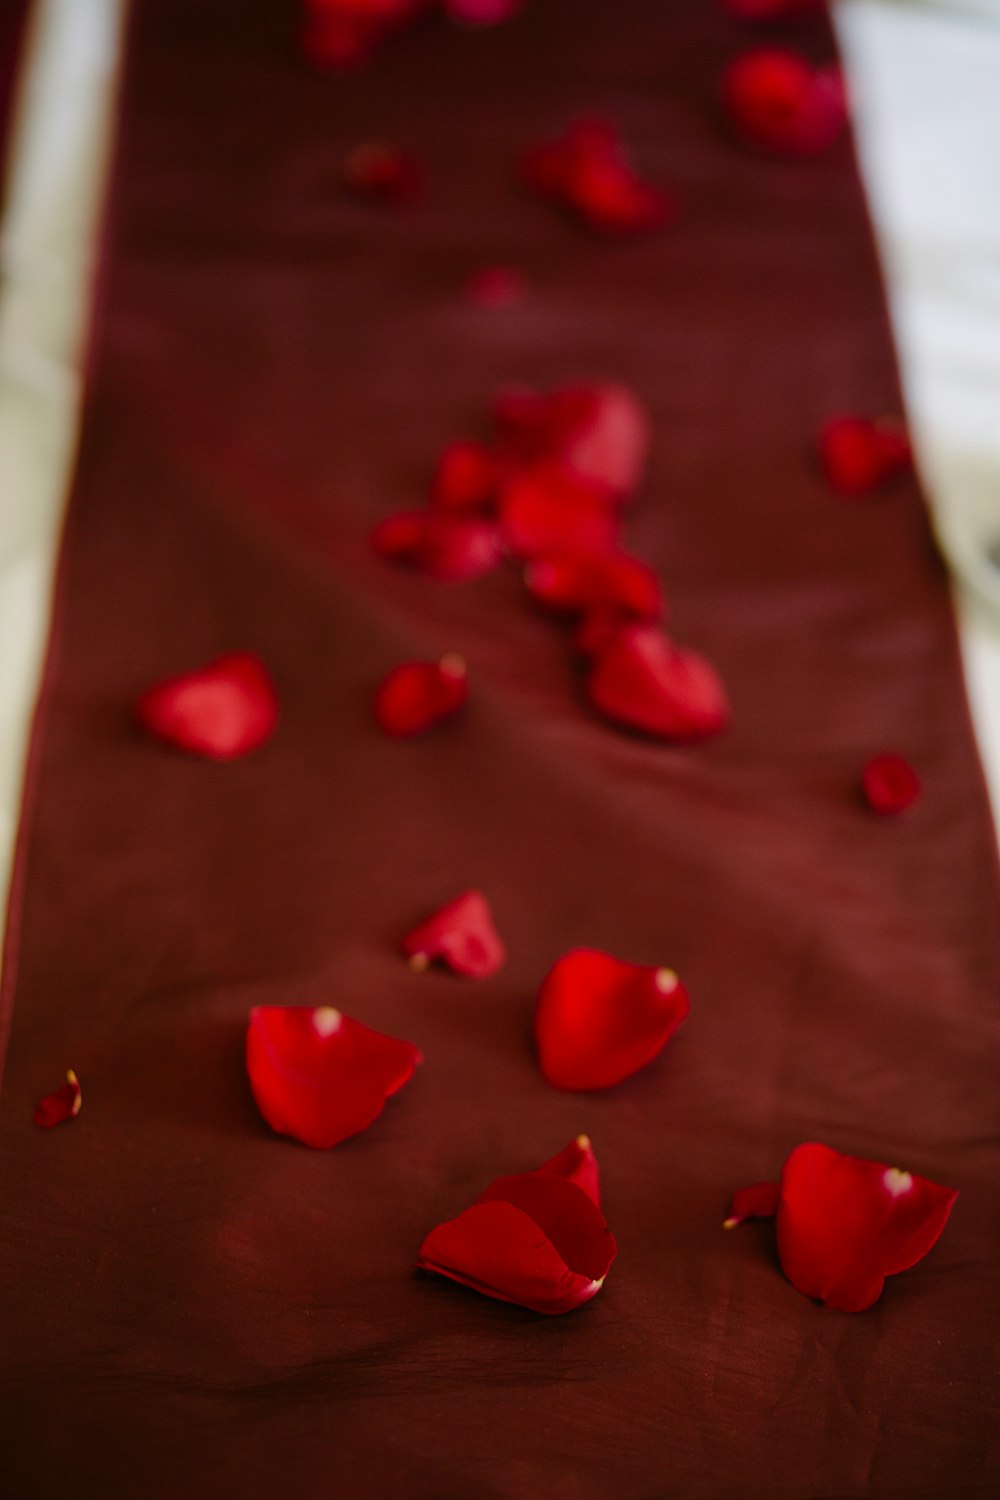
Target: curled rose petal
496,286
452,548
461,935
482,12
465,478
419,694
545,508
858,454
600,432
639,678
578,1163
535,1239
586,169
778,101
62,1105
890,784
384,173
320,1076
600,1019
844,1224
757,1202
224,710
579,583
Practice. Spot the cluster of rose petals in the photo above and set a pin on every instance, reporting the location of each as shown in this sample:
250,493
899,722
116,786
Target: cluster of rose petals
536,1239
462,936
318,1075
417,695
777,101
844,1223
587,171
222,711
63,1104
859,454
890,784
600,1019
384,173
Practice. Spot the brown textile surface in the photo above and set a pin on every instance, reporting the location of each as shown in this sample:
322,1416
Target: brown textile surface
191,1306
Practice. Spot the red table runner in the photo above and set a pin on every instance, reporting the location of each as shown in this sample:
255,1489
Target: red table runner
192,1305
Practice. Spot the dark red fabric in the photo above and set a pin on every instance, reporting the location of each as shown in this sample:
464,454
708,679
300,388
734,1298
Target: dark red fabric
191,1305
13,16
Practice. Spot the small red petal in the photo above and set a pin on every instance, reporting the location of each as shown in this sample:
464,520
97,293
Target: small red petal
483,12
465,479
384,172
320,1076
597,628
535,1239
545,508
223,711
462,935
599,432
845,1223
578,1163
600,1019
64,1104
610,581
496,286
641,679
777,100
452,548
757,1202
586,169
859,454
890,784
419,694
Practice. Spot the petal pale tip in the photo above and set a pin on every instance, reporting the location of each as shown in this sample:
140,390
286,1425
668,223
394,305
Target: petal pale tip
730,1223
666,981
453,665
419,962
896,1182
327,1020
583,1141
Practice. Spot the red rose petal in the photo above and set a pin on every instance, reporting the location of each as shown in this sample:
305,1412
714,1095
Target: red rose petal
858,454
452,548
419,694
64,1104
776,100
586,169
482,12
384,173
608,581
224,710
599,432
600,1019
461,935
496,286
545,508
320,1076
890,784
757,1202
845,1223
535,1239
578,1163
641,679
465,478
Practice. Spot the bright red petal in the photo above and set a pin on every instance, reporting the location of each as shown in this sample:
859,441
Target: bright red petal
757,1202
578,1164
890,784
607,581
452,548
496,286
384,173
776,100
465,479
859,454
599,432
586,169
844,1224
600,1019
64,1104
462,936
320,1076
419,694
545,508
641,679
225,710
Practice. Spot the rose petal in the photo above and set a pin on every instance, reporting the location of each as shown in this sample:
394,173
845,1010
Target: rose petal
845,1223
496,286
452,548
482,12
641,679
777,100
578,1163
384,173
858,454
586,170
224,710
600,1019
320,1076
64,1104
613,582
535,1239
757,1202
890,784
465,478
545,508
599,432
461,935
419,694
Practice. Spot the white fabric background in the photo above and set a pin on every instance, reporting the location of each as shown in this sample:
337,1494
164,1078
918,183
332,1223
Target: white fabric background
925,81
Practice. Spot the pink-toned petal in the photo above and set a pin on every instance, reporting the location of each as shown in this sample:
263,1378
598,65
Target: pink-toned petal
462,935
222,711
578,1164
